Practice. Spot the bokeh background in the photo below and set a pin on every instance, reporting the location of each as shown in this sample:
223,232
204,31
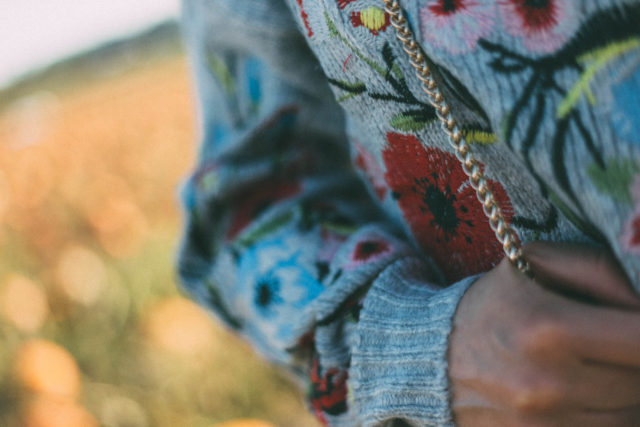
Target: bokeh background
93,328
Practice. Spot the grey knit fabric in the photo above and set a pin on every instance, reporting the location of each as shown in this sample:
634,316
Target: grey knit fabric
327,219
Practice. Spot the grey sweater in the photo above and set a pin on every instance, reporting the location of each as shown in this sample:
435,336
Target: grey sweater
327,219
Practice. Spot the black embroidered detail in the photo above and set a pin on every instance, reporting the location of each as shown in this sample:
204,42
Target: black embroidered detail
417,116
215,300
548,225
267,292
536,98
323,270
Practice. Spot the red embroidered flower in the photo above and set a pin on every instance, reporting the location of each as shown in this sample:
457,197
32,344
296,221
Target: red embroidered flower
343,3
544,25
248,204
366,251
441,207
372,18
328,393
370,167
305,19
369,249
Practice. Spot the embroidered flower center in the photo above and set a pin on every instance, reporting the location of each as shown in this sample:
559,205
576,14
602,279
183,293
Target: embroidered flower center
372,18
538,4
365,250
441,204
446,7
537,15
267,292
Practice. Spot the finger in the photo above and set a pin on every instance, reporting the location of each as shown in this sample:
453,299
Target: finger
499,417
581,270
600,334
493,417
604,387
627,417
589,332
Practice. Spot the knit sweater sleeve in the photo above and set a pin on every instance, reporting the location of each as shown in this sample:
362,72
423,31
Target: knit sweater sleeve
283,242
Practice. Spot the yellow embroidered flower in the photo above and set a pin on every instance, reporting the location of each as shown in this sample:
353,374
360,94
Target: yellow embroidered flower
372,18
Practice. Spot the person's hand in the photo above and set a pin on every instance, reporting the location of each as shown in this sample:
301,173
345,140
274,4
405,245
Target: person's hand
560,350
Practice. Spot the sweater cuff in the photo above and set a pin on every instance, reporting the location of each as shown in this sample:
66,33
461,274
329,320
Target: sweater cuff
399,363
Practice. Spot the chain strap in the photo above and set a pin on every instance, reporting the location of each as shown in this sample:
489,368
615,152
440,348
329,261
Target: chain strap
503,231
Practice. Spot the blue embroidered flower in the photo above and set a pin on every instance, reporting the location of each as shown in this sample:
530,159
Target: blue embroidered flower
626,112
276,281
267,293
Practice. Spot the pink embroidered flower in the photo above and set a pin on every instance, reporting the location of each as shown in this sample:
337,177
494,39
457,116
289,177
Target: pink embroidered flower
371,169
630,238
543,25
456,25
331,242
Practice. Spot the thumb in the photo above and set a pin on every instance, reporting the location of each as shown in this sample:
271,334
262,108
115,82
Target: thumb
582,272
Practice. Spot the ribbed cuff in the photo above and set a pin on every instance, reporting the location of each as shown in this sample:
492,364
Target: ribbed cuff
399,363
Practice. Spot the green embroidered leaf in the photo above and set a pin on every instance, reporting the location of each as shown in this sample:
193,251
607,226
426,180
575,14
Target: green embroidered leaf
352,89
333,31
480,137
221,72
615,179
397,72
343,229
406,123
346,96
594,61
506,127
357,87
253,236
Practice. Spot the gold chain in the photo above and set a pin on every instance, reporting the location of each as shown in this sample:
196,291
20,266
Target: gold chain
503,231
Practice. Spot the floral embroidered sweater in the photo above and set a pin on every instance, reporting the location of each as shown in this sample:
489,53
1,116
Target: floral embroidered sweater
329,222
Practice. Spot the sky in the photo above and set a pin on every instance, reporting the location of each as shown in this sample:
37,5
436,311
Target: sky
36,33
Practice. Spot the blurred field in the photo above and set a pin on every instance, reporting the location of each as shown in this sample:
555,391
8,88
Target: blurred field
92,328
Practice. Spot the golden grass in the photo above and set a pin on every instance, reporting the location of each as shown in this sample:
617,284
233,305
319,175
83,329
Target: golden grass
89,311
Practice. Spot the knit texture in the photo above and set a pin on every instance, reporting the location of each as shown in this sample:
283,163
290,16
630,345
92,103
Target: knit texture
328,220
399,361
